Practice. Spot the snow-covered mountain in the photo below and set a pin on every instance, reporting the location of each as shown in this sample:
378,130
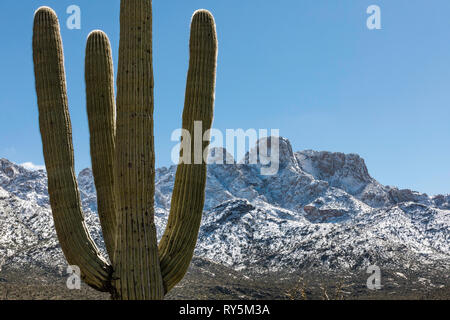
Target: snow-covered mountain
322,210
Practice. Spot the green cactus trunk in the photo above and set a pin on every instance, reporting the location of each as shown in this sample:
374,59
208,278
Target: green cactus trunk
122,152
101,109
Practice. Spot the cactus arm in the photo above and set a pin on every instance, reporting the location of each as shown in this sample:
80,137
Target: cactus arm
180,237
137,267
55,127
101,108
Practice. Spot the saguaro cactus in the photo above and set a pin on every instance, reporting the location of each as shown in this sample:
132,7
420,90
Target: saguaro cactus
122,152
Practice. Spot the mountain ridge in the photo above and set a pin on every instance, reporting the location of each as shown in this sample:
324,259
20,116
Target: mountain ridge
321,210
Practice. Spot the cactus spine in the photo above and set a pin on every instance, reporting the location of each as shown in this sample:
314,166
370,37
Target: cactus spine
122,152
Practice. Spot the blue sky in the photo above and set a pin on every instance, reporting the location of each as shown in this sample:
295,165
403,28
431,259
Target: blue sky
309,68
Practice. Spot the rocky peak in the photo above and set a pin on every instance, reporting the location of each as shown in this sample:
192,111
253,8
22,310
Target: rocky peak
220,156
22,183
347,171
442,201
8,170
272,151
85,180
406,195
